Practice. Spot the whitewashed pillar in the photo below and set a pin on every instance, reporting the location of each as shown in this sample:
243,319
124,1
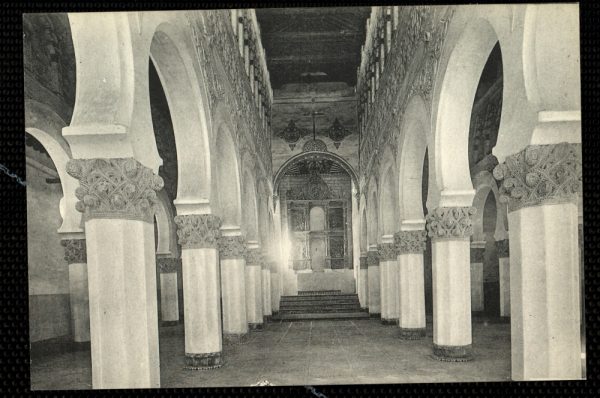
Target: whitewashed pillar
118,199
363,280
198,236
387,261
477,256
266,290
169,297
254,307
233,286
541,185
373,288
75,255
504,276
450,229
410,246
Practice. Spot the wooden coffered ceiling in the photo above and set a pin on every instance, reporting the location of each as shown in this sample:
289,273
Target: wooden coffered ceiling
312,45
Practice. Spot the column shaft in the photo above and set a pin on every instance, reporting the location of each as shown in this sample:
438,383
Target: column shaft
233,288
477,297
266,292
541,185
373,283
254,307
118,199
363,280
199,235
411,283
169,297
504,276
450,228
75,255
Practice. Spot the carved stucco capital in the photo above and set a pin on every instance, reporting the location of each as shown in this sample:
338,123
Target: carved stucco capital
197,231
363,262
477,254
253,257
119,188
372,258
502,248
408,242
387,251
75,251
167,265
450,222
540,174
232,247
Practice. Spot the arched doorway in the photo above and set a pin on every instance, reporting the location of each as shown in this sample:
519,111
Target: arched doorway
315,192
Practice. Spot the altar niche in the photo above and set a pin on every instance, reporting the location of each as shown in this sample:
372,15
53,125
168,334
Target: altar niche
318,212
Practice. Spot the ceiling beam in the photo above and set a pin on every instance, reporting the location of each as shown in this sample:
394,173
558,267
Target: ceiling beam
333,35
312,58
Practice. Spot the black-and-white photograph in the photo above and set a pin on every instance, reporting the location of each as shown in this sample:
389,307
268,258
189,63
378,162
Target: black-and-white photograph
304,196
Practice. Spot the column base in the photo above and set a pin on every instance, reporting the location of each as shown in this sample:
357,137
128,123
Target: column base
169,323
81,345
374,315
267,318
389,322
452,353
235,338
258,327
412,333
210,360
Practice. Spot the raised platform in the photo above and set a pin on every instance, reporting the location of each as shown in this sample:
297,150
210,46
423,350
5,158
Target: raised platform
320,305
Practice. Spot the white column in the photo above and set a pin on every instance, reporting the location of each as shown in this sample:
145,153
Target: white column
233,285
169,297
118,199
410,245
373,288
450,229
541,184
387,261
254,307
275,292
363,280
266,291
477,297
198,236
75,255
504,276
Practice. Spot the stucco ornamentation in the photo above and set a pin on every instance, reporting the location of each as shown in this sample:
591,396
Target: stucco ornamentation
410,242
502,248
74,251
372,258
253,256
450,222
232,247
196,231
167,265
540,174
115,188
314,145
387,251
477,254
363,262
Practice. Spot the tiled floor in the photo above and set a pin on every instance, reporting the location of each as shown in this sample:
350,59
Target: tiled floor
307,353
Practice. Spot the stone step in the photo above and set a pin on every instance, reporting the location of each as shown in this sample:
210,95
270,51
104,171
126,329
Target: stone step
315,315
318,292
320,309
321,302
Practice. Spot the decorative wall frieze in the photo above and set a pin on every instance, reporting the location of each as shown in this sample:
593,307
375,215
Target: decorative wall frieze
410,242
372,258
218,51
75,251
540,174
386,251
477,254
450,222
502,248
167,265
115,188
232,247
408,71
196,231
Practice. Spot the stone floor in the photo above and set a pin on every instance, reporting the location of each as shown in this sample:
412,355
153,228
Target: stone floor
307,353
